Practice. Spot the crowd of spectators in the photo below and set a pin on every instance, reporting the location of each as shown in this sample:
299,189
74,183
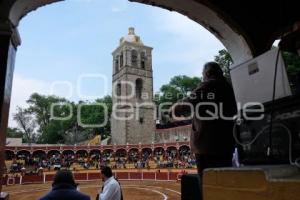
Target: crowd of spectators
145,160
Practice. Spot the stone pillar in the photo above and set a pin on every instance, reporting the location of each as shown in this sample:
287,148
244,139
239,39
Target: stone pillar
9,40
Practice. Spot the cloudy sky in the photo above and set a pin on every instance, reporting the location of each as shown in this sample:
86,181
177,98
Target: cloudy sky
66,47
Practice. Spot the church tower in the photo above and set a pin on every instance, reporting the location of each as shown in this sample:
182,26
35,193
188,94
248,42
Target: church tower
133,118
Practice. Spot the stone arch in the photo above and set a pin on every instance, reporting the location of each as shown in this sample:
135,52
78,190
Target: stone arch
172,151
139,88
121,60
133,154
143,60
225,30
52,152
95,151
158,151
39,153
119,89
107,154
9,154
82,153
95,154
68,157
134,58
232,36
184,147
121,153
116,63
184,152
146,153
22,153
109,151
147,149
68,152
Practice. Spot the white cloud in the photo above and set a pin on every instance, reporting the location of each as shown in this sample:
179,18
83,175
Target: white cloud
22,89
198,44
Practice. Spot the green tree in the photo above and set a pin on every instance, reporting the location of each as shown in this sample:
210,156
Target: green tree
26,123
40,107
225,61
95,113
50,130
14,133
292,62
178,88
106,130
57,125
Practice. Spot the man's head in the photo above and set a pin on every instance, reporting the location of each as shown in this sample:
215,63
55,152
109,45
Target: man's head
64,177
106,173
212,70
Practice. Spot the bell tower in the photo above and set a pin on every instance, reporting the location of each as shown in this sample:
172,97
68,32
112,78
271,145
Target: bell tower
133,118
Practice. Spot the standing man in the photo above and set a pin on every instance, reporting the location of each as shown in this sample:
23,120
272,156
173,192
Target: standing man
214,106
111,189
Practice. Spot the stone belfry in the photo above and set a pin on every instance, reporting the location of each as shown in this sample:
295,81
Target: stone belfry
133,118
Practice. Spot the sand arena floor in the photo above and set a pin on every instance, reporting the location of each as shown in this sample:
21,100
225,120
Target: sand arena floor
132,190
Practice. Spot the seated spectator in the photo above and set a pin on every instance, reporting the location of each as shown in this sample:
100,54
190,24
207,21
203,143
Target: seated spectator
64,188
111,189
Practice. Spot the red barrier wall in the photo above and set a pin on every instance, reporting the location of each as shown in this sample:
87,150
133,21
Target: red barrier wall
173,176
94,176
49,178
149,175
160,176
17,180
136,175
80,176
32,179
122,175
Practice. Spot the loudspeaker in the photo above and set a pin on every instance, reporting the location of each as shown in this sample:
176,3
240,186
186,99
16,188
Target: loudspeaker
286,126
190,187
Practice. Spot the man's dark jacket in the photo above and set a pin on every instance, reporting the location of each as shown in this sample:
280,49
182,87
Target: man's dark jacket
212,137
65,192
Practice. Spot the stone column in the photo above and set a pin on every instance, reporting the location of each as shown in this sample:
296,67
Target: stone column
9,40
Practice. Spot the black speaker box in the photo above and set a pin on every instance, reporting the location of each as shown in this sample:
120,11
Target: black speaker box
286,118
190,187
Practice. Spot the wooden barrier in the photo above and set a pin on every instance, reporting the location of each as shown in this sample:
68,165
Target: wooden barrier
81,176
49,177
162,176
122,175
32,179
154,176
136,176
173,176
148,176
94,176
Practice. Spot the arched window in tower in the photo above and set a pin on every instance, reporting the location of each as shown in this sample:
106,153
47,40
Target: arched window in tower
116,65
141,115
134,58
143,60
138,88
121,60
119,90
